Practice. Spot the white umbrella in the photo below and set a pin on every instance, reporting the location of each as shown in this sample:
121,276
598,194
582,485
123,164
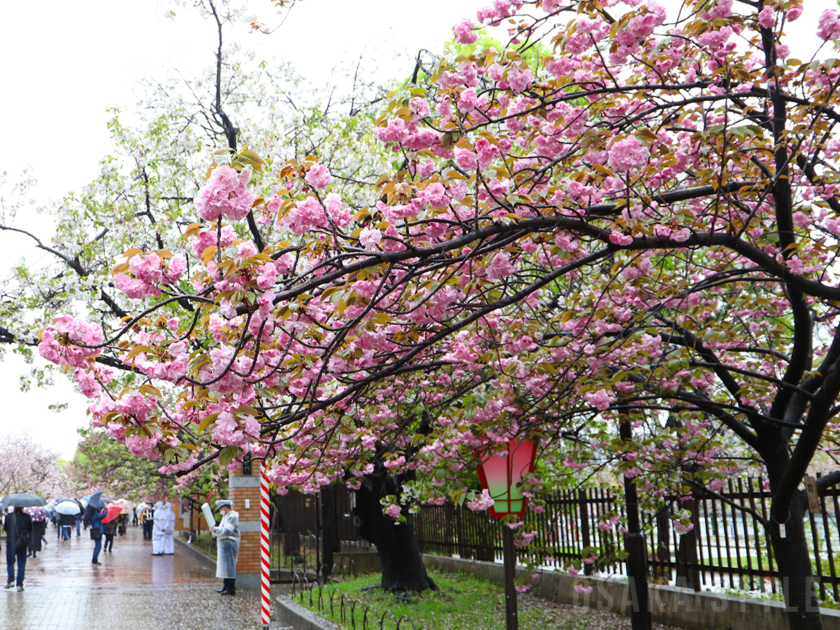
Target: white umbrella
68,507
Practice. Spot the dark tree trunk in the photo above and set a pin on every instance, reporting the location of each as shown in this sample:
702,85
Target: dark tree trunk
329,531
794,560
283,525
792,554
396,543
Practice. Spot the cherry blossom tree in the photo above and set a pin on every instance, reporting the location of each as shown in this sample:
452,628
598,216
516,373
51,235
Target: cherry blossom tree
139,200
102,462
26,466
637,226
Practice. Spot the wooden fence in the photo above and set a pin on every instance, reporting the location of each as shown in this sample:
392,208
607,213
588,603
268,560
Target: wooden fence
726,548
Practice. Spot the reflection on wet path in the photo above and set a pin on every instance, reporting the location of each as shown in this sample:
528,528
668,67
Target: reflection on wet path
64,591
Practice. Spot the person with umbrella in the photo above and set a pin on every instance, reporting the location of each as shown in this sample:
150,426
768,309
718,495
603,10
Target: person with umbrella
67,510
97,511
38,515
96,530
227,546
110,529
110,522
18,528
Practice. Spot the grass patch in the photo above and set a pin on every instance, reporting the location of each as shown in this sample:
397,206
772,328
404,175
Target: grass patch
463,603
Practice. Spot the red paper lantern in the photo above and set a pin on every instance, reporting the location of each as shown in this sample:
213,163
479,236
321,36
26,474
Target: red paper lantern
501,476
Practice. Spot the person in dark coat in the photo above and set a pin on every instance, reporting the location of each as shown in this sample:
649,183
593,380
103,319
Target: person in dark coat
121,523
38,530
109,529
67,521
18,528
148,518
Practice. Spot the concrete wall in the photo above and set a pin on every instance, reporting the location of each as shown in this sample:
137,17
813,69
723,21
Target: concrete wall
680,607
363,561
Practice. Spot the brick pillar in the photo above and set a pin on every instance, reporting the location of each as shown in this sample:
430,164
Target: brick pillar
182,515
244,491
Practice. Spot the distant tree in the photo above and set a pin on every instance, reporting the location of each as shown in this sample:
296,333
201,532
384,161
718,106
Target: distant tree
103,463
26,466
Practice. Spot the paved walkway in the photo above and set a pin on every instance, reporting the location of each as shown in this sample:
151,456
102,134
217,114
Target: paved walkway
64,591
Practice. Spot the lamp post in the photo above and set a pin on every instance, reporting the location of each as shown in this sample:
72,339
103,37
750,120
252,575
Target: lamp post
501,476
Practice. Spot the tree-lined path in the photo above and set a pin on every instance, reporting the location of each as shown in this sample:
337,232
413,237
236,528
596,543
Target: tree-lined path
63,590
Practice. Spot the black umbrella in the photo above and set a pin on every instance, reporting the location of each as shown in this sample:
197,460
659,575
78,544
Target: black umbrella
21,499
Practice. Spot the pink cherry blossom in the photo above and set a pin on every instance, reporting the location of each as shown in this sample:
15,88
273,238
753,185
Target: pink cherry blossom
337,211
500,267
829,25
434,195
482,502
206,238
466,101
225,194
628,154
370,238
465,159
766,19
56,342
464,33
318,176
419,107
394,131
306,216
601,399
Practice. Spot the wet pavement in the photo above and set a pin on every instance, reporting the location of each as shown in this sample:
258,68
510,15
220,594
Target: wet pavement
64,591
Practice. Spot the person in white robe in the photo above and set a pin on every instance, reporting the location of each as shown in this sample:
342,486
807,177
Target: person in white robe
157,531
168,529
227,545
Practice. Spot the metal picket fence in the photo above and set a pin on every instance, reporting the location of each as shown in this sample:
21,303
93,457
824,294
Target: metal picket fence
727,547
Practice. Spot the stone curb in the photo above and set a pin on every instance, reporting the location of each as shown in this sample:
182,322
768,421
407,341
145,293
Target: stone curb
206,559
291,613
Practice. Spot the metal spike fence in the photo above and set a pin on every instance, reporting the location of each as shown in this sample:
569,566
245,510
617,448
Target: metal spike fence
330,600
726,548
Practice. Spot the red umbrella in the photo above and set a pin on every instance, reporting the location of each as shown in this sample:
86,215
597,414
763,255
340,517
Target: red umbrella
114,510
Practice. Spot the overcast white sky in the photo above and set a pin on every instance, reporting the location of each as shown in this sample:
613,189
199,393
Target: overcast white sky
65,63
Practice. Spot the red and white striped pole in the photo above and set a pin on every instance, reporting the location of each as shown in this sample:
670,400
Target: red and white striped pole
265,553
